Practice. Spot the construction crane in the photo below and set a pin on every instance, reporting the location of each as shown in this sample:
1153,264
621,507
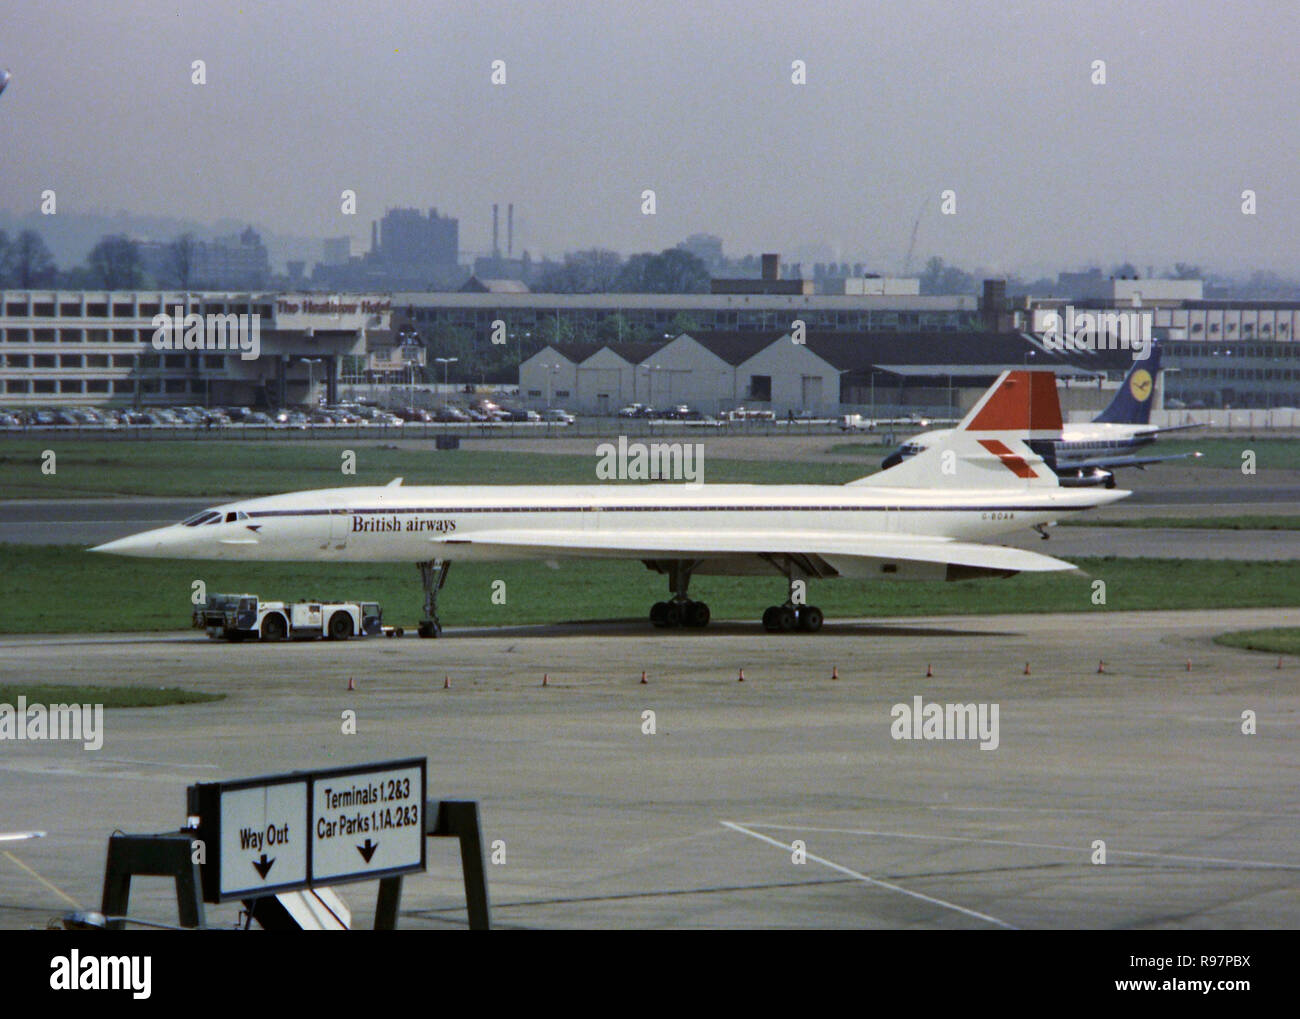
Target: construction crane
911,247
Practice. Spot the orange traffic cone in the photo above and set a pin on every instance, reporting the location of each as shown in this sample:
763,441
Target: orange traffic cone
835,672
446,682
351,684
544,679
643,677
1101,667
1026,668
742,676
929,672
1189,665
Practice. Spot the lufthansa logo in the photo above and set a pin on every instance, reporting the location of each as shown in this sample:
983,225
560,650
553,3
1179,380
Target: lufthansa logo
1140,385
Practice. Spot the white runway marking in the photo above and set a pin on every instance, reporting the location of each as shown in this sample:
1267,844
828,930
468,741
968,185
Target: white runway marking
1029,845
181,765
871,880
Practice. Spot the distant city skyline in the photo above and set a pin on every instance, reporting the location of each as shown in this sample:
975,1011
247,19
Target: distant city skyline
902,102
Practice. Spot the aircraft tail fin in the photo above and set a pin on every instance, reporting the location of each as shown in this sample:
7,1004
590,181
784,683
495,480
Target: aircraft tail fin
1132,402
993,446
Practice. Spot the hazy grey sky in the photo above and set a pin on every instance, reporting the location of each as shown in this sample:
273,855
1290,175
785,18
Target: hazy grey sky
694,100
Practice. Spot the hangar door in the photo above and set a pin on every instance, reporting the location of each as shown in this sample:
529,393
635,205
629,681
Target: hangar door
594,387
811,395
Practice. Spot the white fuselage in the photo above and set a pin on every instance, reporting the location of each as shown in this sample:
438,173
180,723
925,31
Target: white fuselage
417,523
1078,443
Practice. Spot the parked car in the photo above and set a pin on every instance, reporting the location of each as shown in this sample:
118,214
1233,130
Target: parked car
558,416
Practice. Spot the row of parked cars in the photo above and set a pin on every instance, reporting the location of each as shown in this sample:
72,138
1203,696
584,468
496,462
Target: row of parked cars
683,412
482,411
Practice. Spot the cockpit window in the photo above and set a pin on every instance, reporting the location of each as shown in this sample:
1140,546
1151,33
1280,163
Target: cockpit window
206,517
230,518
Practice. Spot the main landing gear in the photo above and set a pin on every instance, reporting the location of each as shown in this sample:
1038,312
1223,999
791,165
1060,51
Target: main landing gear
433,575
793,615
789,617
684,612
680,610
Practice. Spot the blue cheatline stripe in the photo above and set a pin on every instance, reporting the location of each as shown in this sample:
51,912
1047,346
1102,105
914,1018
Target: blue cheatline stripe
447,510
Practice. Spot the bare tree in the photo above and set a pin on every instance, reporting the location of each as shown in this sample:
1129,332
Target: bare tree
31,263
183,252
116,261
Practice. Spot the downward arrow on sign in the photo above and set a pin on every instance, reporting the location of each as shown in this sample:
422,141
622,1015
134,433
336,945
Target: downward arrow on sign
263,866
367,850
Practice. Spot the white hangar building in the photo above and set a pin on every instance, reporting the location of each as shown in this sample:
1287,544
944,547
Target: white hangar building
827,374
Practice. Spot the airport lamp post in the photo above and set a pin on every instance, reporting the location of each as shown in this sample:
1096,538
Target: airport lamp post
551,371
446,363
311,363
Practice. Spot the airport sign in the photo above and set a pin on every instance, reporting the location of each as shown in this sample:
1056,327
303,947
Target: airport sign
259,843
278,833
367,822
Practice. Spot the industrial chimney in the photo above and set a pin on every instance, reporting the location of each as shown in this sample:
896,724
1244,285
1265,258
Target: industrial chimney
496,233
510,230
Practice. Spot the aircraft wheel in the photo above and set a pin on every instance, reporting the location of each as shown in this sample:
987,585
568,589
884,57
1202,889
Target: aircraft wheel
697,614
428,628
659,614
786,619
769,619
673,615
810,618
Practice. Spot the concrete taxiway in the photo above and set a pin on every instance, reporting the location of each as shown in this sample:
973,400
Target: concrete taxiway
605,825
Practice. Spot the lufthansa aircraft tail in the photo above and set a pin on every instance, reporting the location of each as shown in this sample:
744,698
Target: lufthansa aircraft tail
991,447
1133,399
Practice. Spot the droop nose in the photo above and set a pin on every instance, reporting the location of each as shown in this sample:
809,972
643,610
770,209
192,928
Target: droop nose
147,543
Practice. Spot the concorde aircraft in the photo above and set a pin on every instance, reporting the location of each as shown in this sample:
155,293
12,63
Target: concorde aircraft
1087,454
922,519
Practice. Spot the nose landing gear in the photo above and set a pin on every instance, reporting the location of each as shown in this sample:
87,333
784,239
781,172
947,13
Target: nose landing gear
433,575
